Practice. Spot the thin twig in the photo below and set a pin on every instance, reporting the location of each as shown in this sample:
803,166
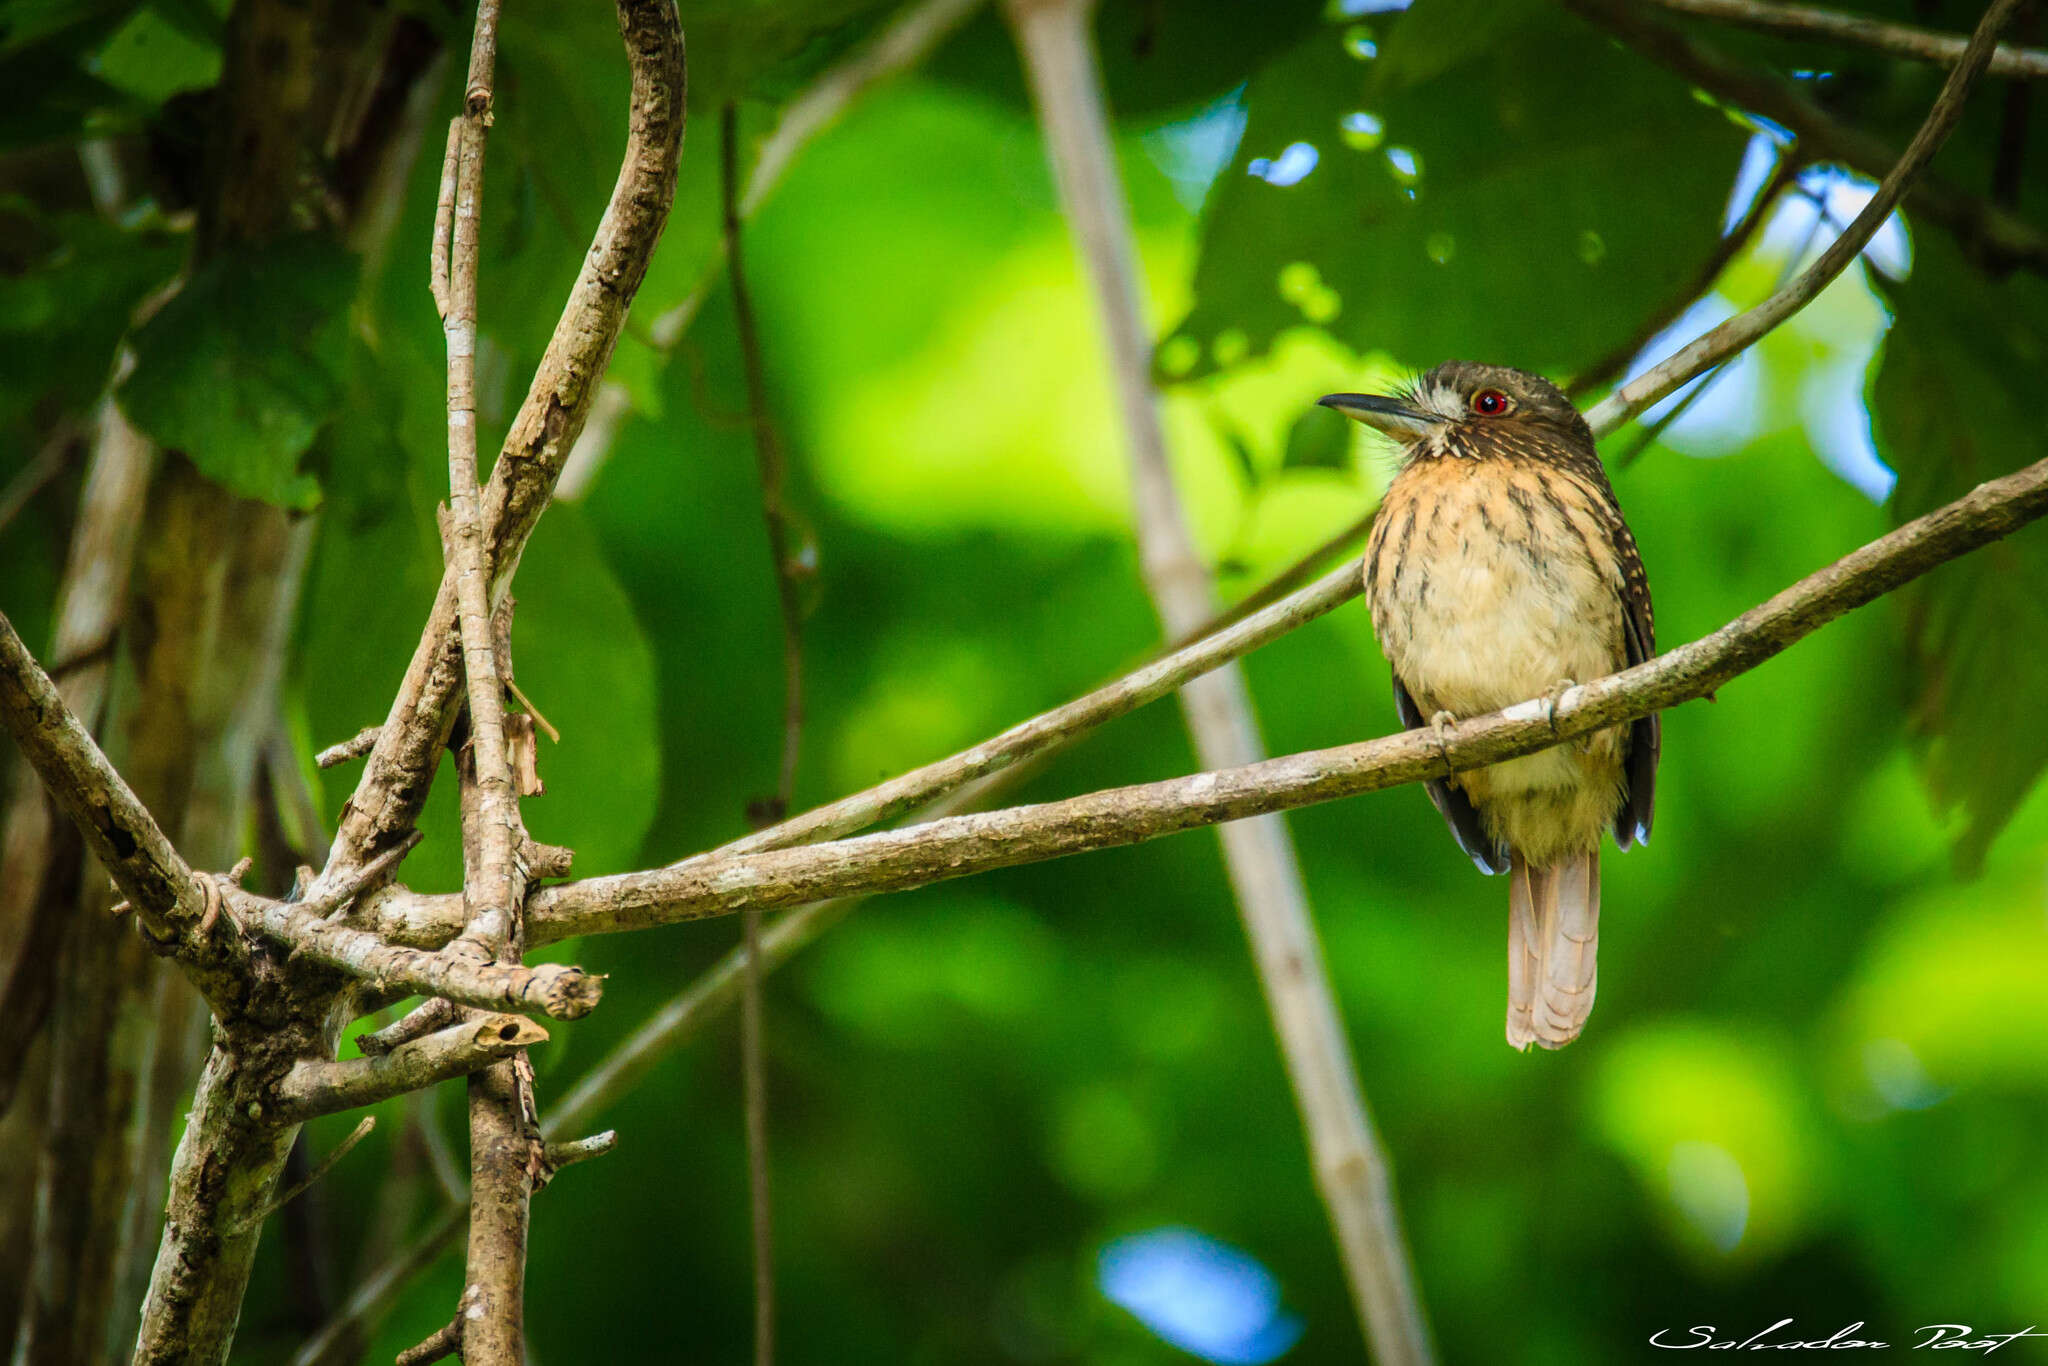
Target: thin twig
772,469
428,1017
554,736
320,1169
1285,584
355,747
908,39
450,1338
575,1150
1060,726
1351,1167
330,904
48,463
1833,26
444,221
1745,328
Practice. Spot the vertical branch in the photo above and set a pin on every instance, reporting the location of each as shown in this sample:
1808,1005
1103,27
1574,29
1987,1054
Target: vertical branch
490,1320
490,890
1351,1168
775,513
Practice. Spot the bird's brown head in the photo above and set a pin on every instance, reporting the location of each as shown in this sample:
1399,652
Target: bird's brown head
1462,408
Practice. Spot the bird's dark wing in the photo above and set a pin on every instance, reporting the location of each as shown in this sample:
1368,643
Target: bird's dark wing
1639,631
1639,638
1456,807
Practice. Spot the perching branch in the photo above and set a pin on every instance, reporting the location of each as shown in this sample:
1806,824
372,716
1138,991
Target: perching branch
960,846
1814,24
324,1088
1745,328
1996,239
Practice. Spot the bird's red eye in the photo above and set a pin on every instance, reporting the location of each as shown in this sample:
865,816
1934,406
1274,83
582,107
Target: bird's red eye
1489,403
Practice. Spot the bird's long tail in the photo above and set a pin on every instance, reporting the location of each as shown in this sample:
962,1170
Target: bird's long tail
1553,936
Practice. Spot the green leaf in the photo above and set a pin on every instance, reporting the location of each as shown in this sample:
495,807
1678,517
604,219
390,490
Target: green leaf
241,370
61,318
152,58
1527,203
1956,402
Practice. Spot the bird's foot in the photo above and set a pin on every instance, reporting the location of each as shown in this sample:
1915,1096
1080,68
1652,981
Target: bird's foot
1440,725
1553,698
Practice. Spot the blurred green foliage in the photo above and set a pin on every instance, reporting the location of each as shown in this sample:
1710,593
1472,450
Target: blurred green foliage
1814,1083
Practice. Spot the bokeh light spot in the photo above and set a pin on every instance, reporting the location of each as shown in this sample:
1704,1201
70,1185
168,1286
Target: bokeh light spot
1199,1294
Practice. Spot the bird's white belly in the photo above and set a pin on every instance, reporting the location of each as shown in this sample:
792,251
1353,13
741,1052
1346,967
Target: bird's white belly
1488,626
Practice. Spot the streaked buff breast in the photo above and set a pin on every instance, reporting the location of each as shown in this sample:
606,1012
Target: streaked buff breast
1489,582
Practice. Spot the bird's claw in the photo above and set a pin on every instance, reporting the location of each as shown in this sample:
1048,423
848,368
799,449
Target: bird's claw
1552,699
1439,725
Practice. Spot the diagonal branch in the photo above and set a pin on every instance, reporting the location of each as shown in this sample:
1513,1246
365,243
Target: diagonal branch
854,868
1745,328
168,898
1814,24
1062,725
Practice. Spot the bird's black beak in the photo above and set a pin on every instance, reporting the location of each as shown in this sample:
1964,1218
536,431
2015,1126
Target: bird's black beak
1389,415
